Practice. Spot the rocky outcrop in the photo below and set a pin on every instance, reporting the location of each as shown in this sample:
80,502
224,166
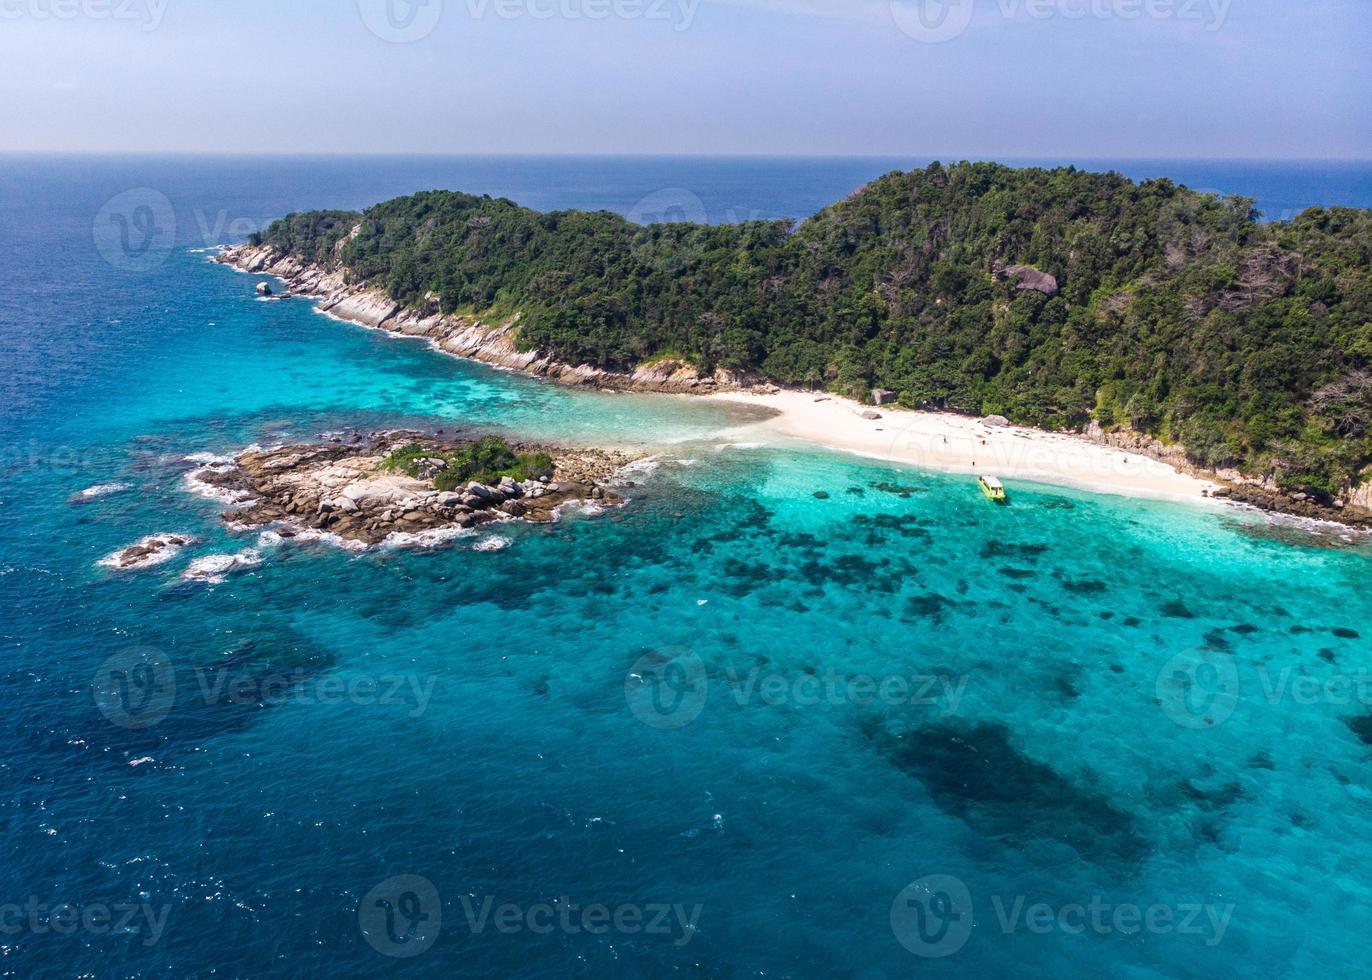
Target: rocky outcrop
147,552
1265,497
1360,496
344,490
1353,507
463,336
1030,278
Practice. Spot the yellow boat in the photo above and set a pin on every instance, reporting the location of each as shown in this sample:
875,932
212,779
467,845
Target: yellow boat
993,488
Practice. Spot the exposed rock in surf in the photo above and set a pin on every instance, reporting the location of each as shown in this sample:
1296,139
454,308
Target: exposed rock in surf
214,569
147,552
353,492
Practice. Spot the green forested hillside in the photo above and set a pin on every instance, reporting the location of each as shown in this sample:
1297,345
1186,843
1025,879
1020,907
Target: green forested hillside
1175,314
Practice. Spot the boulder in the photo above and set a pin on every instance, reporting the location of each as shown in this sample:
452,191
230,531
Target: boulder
449,499
1031,278
429,468
514,508
998,421
264,289
871,416
880,396
484,493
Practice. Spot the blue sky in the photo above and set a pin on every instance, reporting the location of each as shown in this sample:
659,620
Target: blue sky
985,78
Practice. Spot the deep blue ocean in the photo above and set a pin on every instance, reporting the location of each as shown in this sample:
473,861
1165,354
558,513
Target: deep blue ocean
731,730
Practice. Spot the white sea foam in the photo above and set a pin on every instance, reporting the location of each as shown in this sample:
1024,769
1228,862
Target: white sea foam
325,537
194,482
213,569
98,491
496,542
433,538
208,459
645,466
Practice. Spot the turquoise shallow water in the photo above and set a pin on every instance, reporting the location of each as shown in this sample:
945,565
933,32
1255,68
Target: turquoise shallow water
1078,699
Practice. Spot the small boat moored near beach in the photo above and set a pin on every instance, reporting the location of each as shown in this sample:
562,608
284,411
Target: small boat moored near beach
993,488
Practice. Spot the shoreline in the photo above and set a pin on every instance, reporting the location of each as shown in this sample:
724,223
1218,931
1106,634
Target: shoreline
961,444
943,441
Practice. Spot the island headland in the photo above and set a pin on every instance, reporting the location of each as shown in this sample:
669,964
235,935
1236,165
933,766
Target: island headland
1144,319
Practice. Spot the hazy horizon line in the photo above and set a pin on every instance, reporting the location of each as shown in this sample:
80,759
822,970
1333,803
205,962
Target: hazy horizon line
557,154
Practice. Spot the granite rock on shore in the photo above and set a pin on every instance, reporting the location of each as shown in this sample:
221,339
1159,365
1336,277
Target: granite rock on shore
344,489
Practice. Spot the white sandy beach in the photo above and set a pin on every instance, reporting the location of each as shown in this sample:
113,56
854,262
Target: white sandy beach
958,444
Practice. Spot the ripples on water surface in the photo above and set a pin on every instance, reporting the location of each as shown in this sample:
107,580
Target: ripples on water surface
1037,739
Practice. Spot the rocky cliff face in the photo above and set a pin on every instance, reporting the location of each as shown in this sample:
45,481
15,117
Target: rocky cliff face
491,343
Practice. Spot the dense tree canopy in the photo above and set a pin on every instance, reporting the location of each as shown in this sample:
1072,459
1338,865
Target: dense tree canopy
1176,314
